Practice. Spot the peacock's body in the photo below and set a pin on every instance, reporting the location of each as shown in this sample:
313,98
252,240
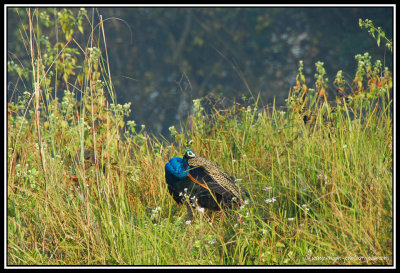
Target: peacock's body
196,181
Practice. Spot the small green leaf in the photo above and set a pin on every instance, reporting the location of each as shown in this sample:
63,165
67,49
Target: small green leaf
279,244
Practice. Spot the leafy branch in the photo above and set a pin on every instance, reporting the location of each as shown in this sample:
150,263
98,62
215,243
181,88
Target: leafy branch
367,24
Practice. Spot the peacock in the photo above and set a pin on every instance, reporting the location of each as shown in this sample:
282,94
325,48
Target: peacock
196,181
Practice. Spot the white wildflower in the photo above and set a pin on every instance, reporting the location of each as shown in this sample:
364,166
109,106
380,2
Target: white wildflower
267,188
200,209
270,200
264,231
322,177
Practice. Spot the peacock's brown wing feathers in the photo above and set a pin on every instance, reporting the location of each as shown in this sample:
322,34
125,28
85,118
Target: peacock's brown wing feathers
210,174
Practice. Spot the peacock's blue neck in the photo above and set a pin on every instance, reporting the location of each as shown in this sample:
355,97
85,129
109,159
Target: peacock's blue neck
176,168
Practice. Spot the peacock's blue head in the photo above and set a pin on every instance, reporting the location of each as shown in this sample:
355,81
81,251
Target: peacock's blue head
175,169
189,154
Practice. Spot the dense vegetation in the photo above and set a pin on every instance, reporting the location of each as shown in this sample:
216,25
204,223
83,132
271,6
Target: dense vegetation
86,186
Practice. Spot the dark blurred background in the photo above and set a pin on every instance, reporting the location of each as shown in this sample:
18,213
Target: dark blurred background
163,58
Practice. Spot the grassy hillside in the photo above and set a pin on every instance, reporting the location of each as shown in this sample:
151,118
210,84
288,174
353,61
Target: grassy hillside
86,187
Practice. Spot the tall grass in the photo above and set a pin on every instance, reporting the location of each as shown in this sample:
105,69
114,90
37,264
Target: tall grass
86,188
